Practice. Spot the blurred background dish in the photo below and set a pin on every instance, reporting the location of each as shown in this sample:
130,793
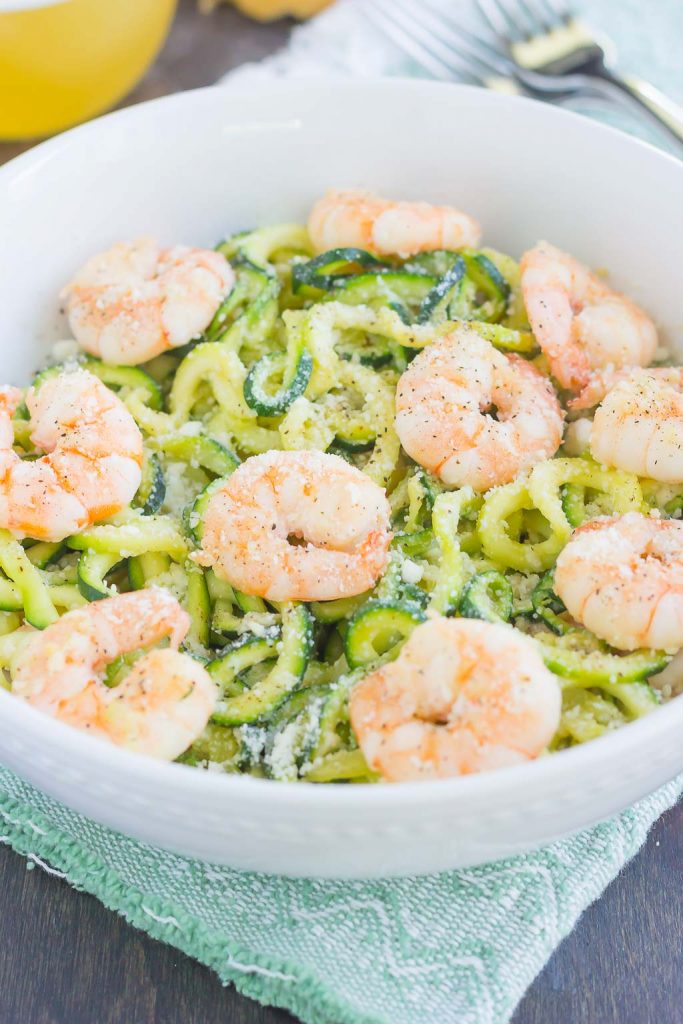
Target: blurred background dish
63,61
266,10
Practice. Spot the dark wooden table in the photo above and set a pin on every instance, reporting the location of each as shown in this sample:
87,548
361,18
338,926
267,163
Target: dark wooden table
64,959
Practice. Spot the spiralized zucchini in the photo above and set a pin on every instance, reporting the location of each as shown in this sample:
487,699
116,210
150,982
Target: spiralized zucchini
305,353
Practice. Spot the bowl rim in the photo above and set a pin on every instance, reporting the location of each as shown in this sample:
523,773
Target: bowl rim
50,147
551,770
46,732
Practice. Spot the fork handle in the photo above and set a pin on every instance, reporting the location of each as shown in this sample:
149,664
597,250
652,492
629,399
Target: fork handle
662,110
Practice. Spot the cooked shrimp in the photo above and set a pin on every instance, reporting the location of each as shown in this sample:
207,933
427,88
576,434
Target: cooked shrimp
137,300
92,466
622,578
366,221
10,399
638,426
601,382
462,696
473,415
164,702
579,322
298,526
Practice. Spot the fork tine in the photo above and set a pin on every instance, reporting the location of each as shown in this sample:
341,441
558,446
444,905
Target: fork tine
536,16
464,44
403,14
407,45
483,50
543,13
558,10
499,20
480,62
384,18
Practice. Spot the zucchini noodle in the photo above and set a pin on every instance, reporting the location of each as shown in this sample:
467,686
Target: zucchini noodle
305,353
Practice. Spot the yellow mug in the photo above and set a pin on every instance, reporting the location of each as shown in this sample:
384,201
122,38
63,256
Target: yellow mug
63,61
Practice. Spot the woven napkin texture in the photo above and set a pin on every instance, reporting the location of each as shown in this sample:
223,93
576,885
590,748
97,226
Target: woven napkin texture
457,948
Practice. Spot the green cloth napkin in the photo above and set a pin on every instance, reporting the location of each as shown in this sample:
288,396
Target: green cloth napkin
457,948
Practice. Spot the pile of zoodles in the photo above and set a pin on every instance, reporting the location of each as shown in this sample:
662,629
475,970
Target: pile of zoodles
305,353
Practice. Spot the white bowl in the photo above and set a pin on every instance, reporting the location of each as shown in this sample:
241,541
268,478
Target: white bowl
196,166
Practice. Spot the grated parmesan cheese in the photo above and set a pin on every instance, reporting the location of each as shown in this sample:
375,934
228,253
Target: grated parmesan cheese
577,437
258,623
411,572
252,739
178,493
66,351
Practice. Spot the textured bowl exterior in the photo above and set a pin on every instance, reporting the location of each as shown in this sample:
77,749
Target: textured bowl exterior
528,172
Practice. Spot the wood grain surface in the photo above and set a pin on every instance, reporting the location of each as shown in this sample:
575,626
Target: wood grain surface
64,959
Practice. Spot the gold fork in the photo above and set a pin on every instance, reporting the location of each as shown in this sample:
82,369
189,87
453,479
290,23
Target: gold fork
546,41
